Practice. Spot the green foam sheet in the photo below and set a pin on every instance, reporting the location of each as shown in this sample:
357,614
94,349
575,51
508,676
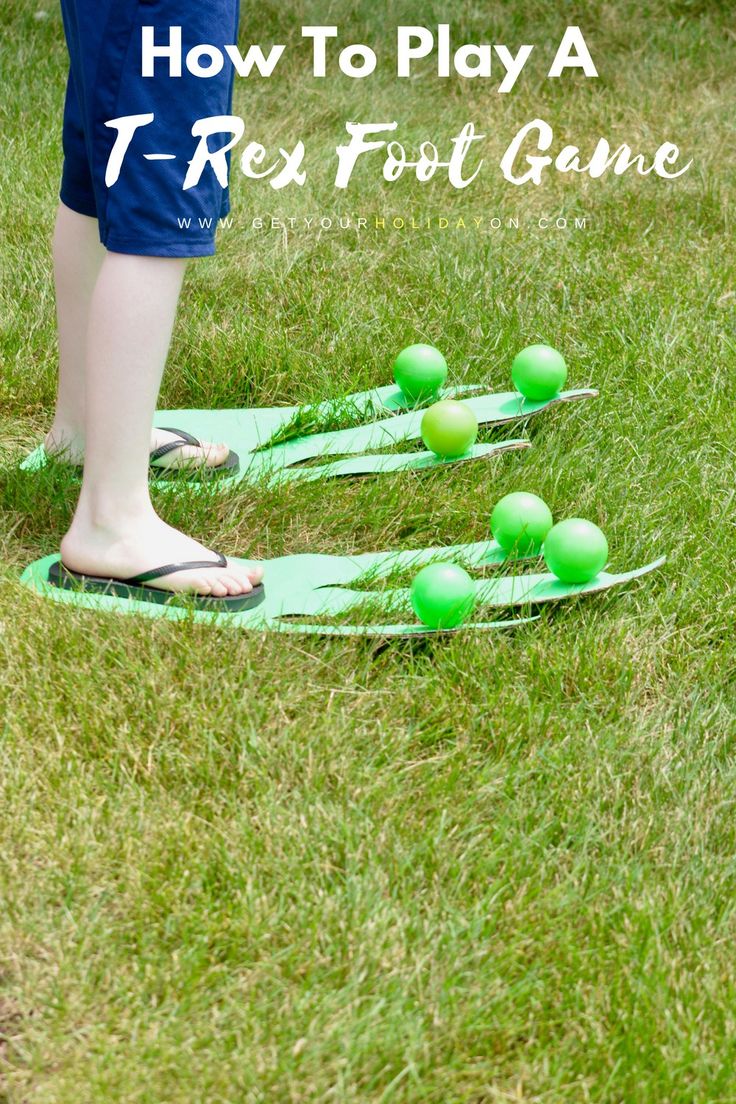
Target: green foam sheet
247,431
313,585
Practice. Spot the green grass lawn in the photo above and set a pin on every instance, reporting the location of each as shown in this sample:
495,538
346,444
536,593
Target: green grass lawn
240,868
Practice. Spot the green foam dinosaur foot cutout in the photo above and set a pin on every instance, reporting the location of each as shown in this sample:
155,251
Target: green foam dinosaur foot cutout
312,585
249,433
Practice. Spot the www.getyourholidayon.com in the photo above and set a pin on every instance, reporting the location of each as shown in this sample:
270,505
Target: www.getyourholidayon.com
390,223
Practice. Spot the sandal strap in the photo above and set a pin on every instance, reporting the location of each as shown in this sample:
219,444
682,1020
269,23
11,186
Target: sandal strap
173,569
171,446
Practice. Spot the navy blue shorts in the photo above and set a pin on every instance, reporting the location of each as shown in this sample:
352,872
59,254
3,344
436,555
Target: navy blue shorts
146,211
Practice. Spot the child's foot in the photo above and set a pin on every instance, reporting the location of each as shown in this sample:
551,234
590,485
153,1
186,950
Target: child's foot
70,448
122,550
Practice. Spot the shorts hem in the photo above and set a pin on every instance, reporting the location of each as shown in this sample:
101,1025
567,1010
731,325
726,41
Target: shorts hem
138,247
79,206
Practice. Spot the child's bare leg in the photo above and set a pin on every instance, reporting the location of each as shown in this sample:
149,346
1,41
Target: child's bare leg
78,257
115,531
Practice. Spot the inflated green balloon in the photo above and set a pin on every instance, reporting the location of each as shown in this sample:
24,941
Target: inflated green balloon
420,371
443,595
449,428
575,550
520,522
539,372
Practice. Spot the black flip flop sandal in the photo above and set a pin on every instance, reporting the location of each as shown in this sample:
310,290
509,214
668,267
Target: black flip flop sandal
135,587
192,471
231,466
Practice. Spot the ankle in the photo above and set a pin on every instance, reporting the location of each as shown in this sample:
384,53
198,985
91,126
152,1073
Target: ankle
113,516
64,437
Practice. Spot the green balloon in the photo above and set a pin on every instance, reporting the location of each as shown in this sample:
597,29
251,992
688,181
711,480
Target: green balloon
449,428
575,550
420,371
520,522
539,372
443,595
